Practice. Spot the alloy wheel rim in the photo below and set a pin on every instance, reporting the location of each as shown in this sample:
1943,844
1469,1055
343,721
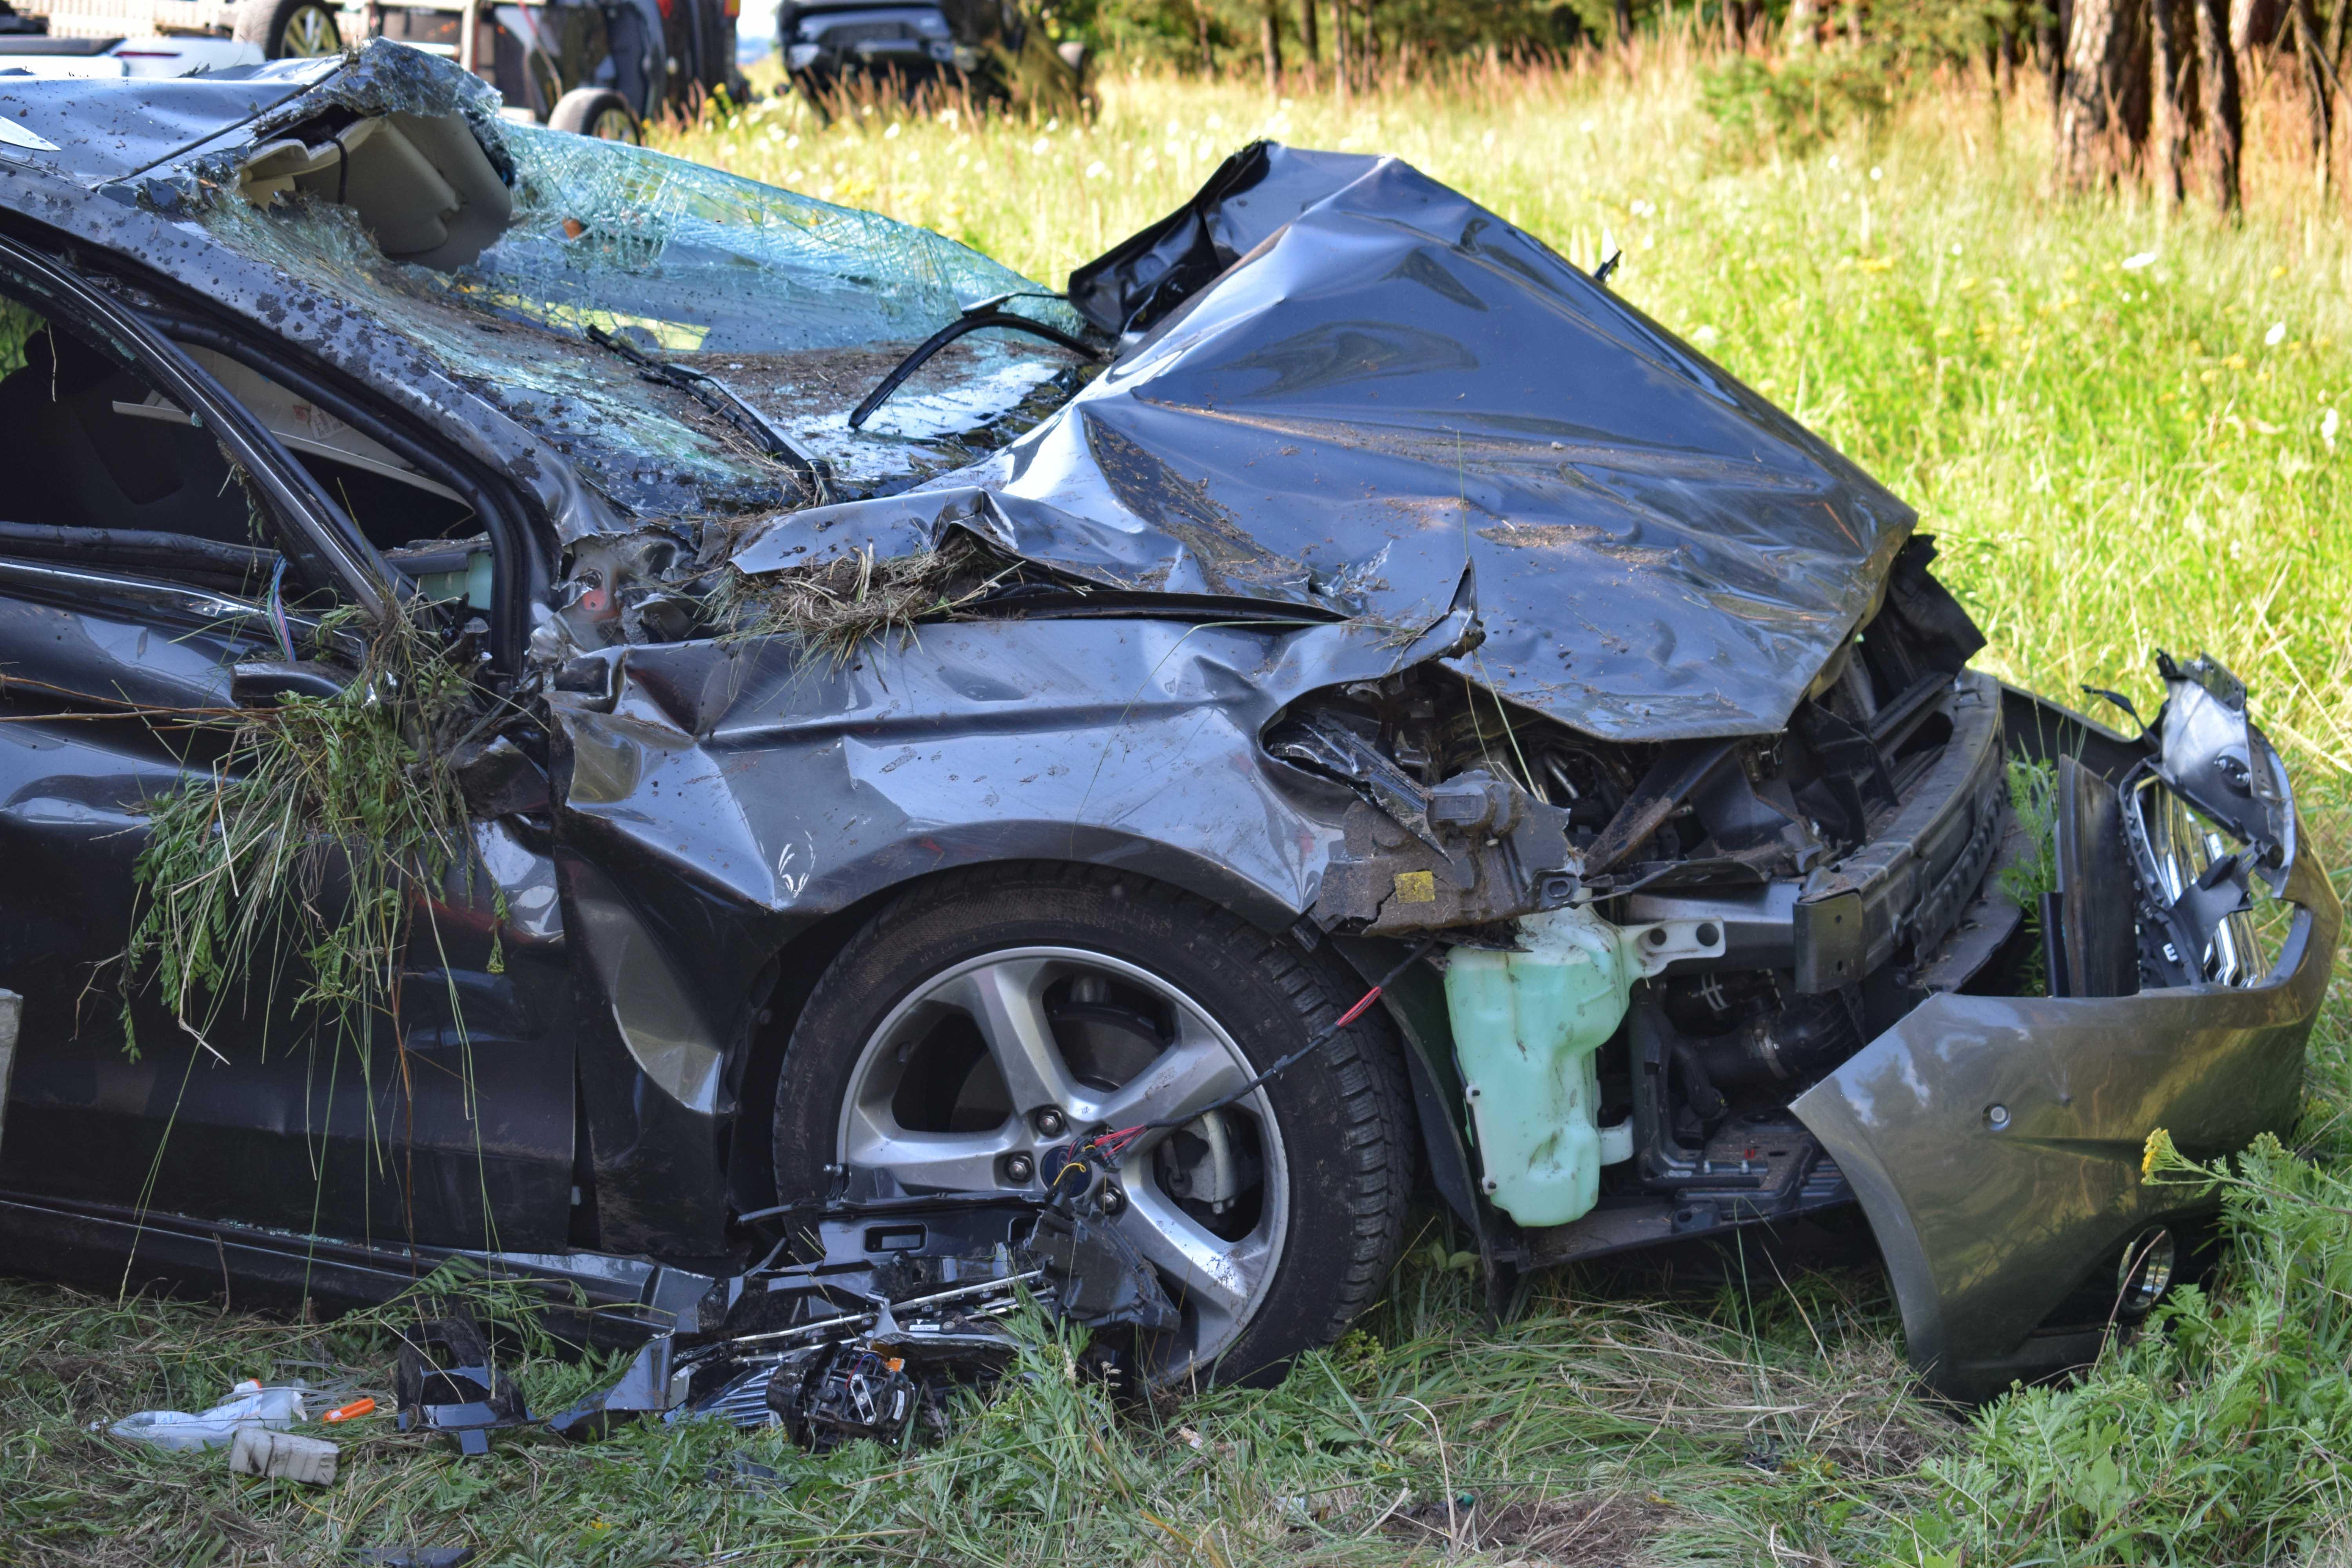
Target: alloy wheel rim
1017,1003
311,32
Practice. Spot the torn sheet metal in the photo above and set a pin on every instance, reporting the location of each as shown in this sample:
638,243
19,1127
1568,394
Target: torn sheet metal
776,783
1393,387
1973,1110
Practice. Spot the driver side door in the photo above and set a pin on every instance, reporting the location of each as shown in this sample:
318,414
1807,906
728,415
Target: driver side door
167,562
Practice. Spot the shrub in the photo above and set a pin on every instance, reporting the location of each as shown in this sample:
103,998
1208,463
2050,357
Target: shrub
2214,1436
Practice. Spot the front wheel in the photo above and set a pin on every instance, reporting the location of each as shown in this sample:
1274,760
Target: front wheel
989,1019
290,29
597,111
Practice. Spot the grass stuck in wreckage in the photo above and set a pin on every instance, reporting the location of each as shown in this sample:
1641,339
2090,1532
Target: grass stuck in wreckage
2122,429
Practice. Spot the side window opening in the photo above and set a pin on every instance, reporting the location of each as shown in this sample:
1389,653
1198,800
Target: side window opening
91,487
425,530
110,472
394,505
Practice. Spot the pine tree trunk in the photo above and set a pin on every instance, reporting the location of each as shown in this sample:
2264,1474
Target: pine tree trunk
2333,52
1624,21
2104,111
1804,16
2224,122
1341,67
2057,19
2318,86
2256,24
1310,45
2176,94
1272,45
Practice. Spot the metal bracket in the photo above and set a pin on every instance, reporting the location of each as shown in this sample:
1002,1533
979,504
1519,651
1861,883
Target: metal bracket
1660,944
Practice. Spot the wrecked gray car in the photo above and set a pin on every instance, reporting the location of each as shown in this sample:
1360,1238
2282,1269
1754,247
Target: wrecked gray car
1331,698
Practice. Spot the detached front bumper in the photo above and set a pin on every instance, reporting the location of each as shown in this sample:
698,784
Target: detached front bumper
1995,1141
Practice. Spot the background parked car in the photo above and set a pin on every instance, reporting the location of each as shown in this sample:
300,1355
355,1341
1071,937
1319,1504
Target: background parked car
991,50
601,68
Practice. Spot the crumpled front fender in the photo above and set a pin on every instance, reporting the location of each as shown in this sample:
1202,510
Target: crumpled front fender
1995,1141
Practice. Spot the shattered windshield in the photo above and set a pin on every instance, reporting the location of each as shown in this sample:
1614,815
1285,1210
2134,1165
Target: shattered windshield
797,306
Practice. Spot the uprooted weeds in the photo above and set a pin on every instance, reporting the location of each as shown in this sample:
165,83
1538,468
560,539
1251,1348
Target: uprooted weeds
310,837
856,599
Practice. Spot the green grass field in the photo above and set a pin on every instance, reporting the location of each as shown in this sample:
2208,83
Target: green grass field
2121,427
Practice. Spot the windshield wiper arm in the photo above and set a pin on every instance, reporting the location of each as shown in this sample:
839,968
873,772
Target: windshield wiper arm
728,404
980,313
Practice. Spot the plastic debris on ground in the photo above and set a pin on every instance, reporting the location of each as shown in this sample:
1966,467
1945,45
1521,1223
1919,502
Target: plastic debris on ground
282,1456
249,1405
445,1382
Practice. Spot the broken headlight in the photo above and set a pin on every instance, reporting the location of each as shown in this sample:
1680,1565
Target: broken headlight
2208,813
2194,882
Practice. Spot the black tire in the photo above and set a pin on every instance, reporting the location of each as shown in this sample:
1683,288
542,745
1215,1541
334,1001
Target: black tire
597,111
290,29
1341,1115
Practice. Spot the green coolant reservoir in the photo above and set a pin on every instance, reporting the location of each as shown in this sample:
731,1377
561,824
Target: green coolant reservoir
1526,1025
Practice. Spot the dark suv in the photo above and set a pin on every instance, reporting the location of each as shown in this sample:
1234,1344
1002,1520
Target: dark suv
990,49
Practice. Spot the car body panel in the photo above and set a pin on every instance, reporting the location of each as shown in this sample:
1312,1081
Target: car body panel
1392,388
1996,1141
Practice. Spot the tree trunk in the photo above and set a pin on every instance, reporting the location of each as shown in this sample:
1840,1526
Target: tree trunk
2057,19
1200,27
1309,46
2318,86
1624,21
1341,67
1805,17
2176,94
2332,51
1272,45
2256,24
2102,113
2224,123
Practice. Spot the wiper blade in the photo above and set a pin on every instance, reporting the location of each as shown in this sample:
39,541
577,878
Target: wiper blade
980,313
728,404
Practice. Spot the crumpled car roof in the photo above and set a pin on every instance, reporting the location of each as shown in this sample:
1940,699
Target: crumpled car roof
1380,397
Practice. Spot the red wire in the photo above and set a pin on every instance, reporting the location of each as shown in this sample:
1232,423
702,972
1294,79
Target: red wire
1105,1143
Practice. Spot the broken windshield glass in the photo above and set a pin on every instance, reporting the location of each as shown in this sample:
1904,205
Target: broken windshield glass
798,306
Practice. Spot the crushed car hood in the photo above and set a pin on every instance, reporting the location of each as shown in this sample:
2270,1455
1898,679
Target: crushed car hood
1348,389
